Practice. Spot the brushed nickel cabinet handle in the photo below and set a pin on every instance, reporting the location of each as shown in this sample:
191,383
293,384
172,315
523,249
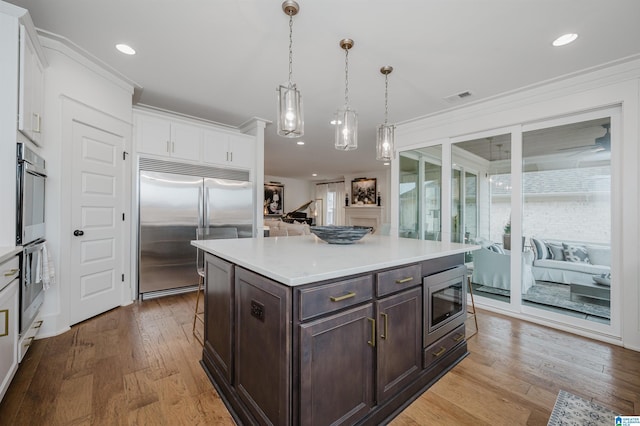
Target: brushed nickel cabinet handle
10,272
168,150
372,342
36,118
6,322
404,280
440,352
385,328
231,156
344,297
458,337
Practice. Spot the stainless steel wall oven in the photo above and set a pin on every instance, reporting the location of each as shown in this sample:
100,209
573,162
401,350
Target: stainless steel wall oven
30,231
31,177
445,302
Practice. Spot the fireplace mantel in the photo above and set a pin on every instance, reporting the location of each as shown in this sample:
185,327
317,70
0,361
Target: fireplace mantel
363,216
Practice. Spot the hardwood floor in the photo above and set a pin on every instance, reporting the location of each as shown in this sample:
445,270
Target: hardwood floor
139,365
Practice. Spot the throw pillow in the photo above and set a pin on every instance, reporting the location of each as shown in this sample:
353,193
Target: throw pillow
599,255
575,253
540,248
556,250
496,248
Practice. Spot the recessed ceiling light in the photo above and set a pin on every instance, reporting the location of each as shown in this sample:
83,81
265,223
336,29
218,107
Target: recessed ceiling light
300,142
334,122
314,174
385,164
565,39
126,49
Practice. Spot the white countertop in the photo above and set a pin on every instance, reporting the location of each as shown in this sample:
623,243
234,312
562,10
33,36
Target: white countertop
7,253
305,259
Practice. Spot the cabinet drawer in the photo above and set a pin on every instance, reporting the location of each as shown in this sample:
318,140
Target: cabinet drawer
443,346
333,296
8,271
398,279
28,337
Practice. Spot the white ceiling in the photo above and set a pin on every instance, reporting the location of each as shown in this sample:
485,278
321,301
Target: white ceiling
222,60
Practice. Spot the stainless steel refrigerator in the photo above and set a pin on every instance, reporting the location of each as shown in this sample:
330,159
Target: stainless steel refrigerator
176,199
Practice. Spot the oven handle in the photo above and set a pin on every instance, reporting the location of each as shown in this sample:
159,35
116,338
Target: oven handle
32,169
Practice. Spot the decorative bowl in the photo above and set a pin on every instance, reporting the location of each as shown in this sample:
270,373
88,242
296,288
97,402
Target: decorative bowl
340,234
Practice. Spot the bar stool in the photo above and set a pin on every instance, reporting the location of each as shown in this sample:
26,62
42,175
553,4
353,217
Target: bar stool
206,234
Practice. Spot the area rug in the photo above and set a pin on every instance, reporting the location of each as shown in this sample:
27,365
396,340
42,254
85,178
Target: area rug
571,409
554,294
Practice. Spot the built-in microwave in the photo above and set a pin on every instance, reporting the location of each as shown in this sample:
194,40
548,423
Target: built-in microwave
445,302
31,177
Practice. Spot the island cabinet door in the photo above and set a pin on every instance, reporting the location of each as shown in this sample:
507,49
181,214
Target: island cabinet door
219,311
399,362
336,367
263,347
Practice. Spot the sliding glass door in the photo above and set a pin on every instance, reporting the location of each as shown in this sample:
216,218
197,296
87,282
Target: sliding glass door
566,219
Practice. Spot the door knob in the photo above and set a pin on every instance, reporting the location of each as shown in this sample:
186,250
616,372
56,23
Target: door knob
78,233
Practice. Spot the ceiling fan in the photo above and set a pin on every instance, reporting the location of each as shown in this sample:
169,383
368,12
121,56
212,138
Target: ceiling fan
601,144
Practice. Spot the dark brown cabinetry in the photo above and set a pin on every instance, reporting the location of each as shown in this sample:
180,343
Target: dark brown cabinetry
341,352
399,322
336,367
219,299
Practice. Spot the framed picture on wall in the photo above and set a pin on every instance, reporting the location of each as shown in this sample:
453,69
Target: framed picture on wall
363,191
273,199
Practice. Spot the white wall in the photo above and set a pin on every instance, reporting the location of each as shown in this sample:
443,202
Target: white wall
614,85
72,76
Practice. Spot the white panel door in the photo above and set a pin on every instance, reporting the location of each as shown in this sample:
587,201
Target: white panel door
96,218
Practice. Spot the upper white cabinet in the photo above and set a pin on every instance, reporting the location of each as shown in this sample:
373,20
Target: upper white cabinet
169,136
30,100
229,149
160,136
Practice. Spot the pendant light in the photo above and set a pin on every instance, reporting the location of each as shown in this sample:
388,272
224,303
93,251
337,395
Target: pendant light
290,115
346,118
385,134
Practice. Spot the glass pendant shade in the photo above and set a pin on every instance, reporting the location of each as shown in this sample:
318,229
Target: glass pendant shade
346,120
385,142
290,112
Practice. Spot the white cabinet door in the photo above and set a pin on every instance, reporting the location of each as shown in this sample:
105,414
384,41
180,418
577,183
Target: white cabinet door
8,335
186,141
153,135
215,148
242,150
31,89
160,136
228,150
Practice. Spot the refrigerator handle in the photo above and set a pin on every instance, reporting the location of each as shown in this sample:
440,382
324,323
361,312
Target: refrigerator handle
202,207
205,210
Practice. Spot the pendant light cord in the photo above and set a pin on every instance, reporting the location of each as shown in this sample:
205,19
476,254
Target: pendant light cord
386,97
346,77
290,47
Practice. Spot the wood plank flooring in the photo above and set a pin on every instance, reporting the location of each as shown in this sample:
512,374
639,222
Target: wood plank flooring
139,365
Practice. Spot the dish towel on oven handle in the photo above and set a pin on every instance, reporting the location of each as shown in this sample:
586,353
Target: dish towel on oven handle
48,273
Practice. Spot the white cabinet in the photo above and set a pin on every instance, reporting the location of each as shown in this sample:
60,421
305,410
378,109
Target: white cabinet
160,136
230,150
8,323
30,101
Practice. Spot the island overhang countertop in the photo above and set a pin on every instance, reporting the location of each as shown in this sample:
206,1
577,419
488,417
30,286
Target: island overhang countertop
306,259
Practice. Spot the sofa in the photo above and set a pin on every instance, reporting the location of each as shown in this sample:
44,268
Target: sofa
571,262
492,268
279,228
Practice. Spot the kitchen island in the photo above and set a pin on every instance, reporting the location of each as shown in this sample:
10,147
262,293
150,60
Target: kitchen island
298,331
